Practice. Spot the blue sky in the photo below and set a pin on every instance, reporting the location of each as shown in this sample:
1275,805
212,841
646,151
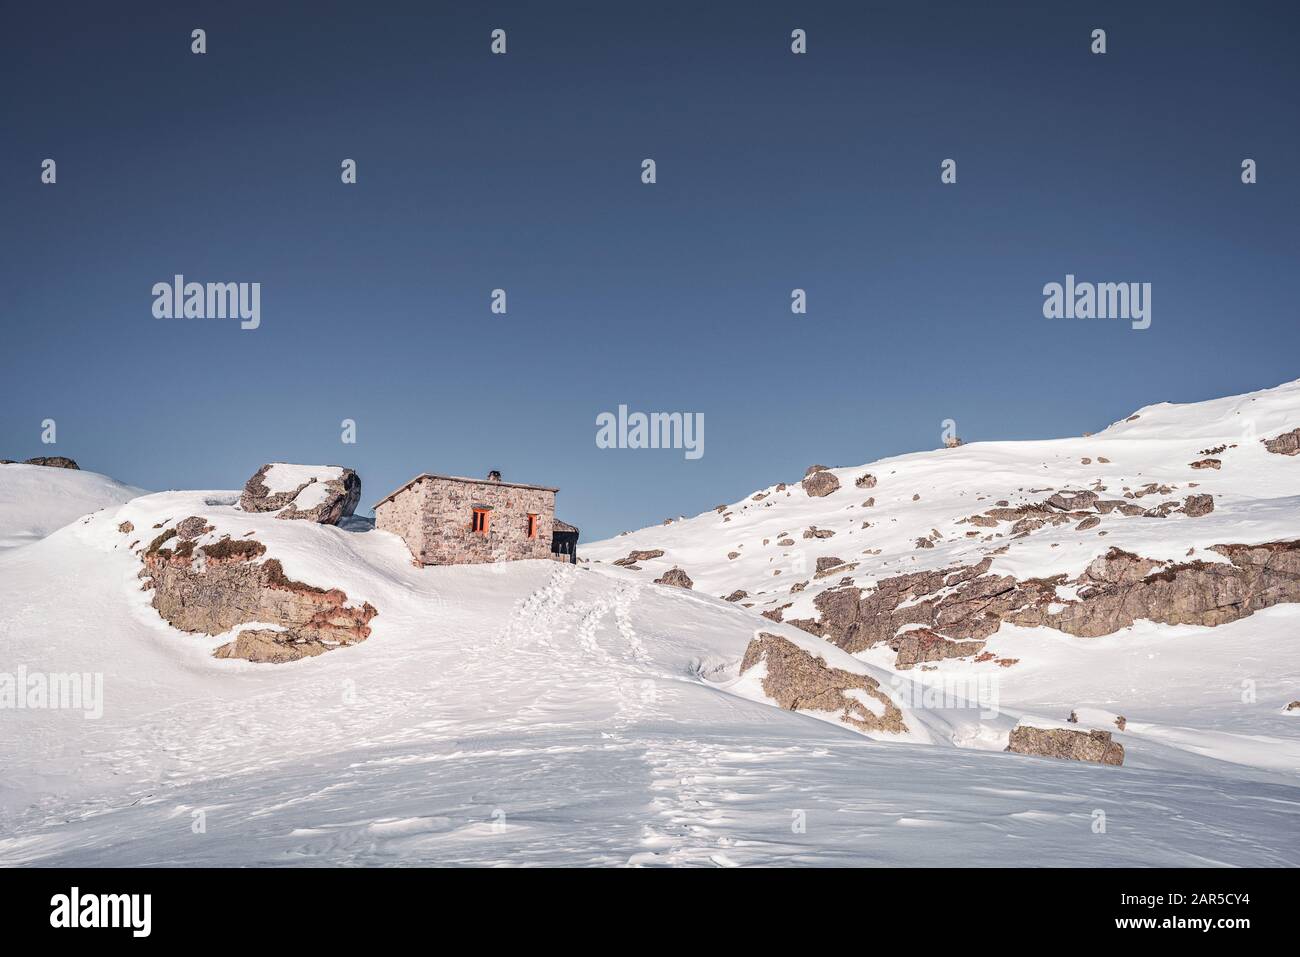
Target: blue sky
522,172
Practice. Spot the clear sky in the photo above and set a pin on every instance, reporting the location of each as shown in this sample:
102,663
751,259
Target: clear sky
775,171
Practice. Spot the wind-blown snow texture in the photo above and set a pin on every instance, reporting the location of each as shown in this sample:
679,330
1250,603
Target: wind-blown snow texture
539,713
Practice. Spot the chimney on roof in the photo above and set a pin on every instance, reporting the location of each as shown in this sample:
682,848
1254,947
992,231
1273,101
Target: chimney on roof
494,476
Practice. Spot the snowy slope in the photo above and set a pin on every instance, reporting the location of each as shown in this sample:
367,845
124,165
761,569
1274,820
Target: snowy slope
540,713
1256,494
36,499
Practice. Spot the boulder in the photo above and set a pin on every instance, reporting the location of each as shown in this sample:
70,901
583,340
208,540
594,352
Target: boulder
676,577
736,595
866,480
231,587
324,494
820,484
799,681
1066,744
1198,505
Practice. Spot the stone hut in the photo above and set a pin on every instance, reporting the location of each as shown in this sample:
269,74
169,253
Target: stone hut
450,520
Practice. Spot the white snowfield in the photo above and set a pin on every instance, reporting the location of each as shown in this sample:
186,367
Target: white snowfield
36,500
536,713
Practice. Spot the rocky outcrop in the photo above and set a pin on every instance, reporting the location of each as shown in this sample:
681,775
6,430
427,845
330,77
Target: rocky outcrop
737,595
1207,464
1198,505
1288,443
210,589
820,484
326,497
675,577
866,480
799,681
49,461
640,555
967,603
1066,744
921,645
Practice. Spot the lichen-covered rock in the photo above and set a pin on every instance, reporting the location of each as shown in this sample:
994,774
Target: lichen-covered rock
324,494
820,484
799,681
1288,443
675,577
216,587
1066,744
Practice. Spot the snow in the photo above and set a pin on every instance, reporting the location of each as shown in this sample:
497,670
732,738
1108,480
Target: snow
36,499
283,477
541,713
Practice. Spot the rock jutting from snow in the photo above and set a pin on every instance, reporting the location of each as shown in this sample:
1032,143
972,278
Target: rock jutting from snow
1066,744
213,588
49,461
641,555
324,494
800,681
966,603
820,484
1288,443
676,577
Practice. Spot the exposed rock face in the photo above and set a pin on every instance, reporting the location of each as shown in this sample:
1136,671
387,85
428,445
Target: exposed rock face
922,644
213,588
736,595
820,484
799,681
966,603
1207,464
640,555
1288,443
49,461
828,561
676,577
335,498
1066,744
1198,505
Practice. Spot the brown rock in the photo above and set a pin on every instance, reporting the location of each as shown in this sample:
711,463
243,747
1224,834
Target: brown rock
866,480
640,556
799,681
820,484
675,577
1066,744
1198,505
736,595
1288,443
1207,464
229,588
337,501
